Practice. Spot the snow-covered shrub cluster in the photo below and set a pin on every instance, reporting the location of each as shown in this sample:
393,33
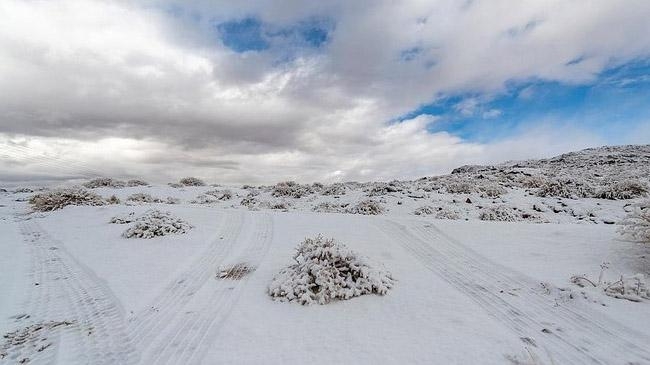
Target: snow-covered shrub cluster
382,188
460,188
366,207
491,190
175,185
154,223
447,213
334,189
104,182
636,225
235,272
627,189
325,270
220,194
329,207
124,218
143,198
172,200
291,189
204,199
191,181
565,188
424,210
113,200
502,213
107,182
136,182
60,198
278,205
24,190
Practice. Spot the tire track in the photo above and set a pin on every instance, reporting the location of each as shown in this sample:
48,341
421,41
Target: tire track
89,317
566,335
188,339
145,326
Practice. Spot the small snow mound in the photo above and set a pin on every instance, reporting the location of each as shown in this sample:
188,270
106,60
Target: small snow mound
325,270
155,223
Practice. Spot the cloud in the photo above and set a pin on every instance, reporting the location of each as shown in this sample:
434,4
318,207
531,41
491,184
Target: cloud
314,102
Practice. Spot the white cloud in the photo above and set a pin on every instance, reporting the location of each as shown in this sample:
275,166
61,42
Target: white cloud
96,79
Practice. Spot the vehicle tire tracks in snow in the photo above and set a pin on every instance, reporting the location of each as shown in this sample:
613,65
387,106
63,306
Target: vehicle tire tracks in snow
188,337
146,325
566,335
70,305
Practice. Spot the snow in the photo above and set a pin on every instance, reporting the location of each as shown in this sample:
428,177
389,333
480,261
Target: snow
465,290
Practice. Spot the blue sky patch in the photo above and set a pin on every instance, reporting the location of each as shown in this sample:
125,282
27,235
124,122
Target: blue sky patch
616,102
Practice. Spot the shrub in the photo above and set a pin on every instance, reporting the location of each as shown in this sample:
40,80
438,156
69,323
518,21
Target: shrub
460,188
204,199
328,207
113,200
628,189
58,199
424,210
220,195
102,182
175,185
366,207
136,182
334,189
500,213
249,201
446,213
191,181
636,225
172,200
492,191
155,223
325,270
565,188
382,188
143,198
291,189
123,218
23,190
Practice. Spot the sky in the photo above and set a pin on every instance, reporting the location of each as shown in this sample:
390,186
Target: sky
265,91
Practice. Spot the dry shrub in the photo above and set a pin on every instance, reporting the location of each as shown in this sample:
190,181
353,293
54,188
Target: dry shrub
628,189
104,182
636,225
235,272
143,198
155,223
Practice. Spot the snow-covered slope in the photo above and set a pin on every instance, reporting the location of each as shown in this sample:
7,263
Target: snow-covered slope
77,290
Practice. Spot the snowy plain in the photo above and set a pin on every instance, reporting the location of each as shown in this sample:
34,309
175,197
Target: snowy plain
467,291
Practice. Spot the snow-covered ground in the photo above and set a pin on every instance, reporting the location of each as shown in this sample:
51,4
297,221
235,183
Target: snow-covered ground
468,290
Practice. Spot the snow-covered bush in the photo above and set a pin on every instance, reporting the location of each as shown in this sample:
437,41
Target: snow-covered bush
24,190
191,181
142,198
532,182
501,213
291,189
334,189
329,207
172,200
628,189
60,198
492,191
175,185
113,200
382,188
123,218
446,213
325,270
235,272
249,200
636,225
136,182
278,205
424,210
155,223
565,188
104,182
460,188
220,194
204,199
366,207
